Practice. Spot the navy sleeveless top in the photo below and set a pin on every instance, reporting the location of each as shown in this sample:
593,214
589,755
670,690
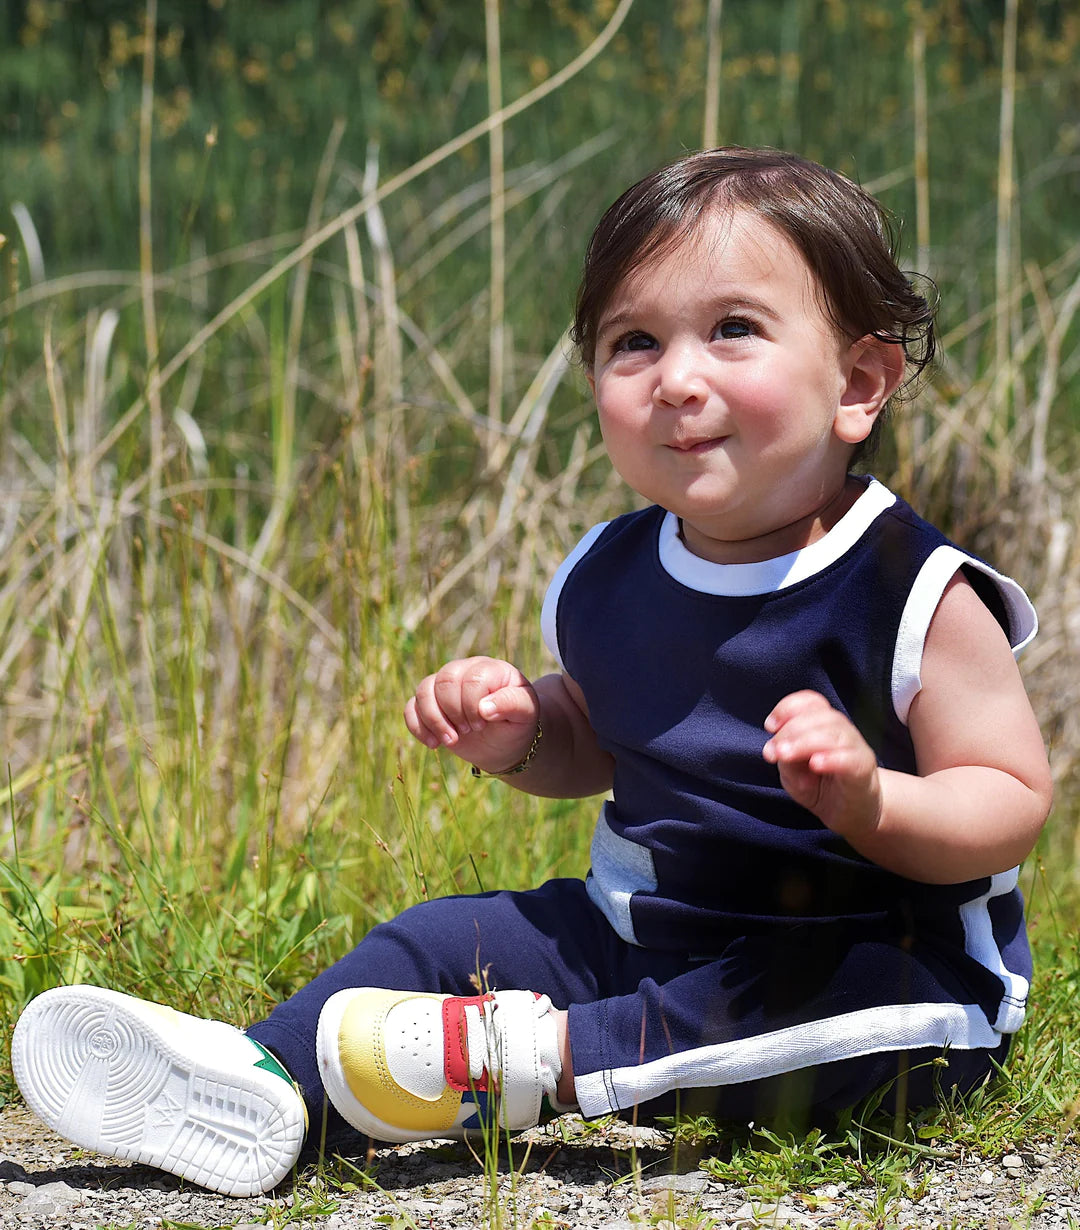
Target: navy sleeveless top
680,661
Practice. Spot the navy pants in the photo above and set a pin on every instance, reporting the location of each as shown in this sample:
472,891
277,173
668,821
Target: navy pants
797,1022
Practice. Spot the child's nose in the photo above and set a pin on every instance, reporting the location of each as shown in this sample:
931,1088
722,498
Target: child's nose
680,377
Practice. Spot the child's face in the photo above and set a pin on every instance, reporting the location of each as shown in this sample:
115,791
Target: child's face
720,383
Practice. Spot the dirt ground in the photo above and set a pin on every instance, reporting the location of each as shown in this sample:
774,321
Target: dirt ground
566,1174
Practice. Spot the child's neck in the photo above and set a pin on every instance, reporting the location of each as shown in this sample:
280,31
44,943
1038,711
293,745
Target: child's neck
782,540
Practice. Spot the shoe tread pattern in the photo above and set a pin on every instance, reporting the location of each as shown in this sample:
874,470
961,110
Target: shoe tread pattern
99,1072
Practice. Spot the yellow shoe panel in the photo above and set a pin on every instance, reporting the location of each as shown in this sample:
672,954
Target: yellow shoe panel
363,1061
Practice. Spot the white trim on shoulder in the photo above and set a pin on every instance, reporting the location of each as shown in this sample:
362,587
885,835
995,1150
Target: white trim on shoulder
939,569
867,1031
549,611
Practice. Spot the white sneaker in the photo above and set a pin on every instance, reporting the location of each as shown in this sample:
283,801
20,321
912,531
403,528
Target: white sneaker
407,1065
140,1081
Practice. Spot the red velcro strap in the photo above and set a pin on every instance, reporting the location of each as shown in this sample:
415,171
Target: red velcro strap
455,1042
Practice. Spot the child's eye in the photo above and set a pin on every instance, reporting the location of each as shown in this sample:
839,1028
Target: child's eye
733,329
634,341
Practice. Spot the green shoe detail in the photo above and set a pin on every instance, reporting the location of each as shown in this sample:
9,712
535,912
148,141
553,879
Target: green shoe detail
270,1064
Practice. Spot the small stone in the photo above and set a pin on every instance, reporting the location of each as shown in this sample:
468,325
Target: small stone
714,1202
52,1198
788,1215
1012,1161
425,1206
21,1188
986,1178
696,1182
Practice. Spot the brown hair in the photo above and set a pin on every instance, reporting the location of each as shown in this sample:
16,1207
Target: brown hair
845,236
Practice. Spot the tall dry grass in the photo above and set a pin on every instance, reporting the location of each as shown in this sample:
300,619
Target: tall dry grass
208,635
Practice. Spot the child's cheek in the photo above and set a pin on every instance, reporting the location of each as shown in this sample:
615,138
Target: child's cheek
761,408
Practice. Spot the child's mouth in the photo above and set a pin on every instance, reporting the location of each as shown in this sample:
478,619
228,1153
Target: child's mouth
697,446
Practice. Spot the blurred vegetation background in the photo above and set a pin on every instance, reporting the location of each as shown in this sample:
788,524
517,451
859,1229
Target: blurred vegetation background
287,419
247,102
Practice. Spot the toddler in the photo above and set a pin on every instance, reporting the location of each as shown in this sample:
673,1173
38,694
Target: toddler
799,698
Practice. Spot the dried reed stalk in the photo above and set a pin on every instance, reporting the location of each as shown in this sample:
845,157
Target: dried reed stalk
714,52
150,325
1006,195
497,173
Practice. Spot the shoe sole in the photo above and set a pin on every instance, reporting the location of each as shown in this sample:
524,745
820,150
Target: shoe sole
99,1068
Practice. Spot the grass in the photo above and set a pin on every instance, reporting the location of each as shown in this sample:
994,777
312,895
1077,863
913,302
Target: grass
251,494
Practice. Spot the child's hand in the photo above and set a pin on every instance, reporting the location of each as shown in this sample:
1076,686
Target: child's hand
482,709
825,764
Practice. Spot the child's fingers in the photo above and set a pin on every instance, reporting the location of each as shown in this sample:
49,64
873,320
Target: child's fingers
478,679
800,741
447,705
427,719
837,761
512,704
417,728
798,737
826,741
442,704
793,705
461,687
824,762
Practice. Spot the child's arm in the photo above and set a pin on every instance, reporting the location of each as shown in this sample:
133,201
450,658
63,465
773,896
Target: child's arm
486,711
983,788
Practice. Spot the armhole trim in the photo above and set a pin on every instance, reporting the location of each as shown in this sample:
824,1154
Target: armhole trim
922,602
549,612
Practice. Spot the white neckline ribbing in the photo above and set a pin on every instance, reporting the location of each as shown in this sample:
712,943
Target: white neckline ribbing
768,576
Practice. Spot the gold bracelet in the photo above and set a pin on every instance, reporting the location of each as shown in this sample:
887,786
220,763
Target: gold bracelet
521,765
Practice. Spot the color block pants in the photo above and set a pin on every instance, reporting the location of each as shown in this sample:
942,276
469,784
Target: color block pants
799,1022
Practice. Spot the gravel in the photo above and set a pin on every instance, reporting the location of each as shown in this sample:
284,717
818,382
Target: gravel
565,1175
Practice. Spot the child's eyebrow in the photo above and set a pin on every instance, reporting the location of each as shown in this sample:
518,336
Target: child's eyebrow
607,323
720,305
746,303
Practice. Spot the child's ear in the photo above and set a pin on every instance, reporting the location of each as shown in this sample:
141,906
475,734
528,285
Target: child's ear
874,370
